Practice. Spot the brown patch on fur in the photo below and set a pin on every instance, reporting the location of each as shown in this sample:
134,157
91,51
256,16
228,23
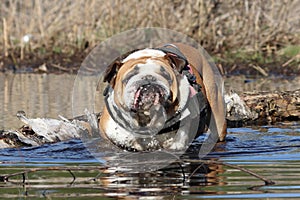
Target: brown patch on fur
104,118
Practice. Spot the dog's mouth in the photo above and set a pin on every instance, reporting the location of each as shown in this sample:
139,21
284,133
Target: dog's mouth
147,96
148,99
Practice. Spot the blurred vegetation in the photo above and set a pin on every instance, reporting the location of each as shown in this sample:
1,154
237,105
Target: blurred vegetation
234,32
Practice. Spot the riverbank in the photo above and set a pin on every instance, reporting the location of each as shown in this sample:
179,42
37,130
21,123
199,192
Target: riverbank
245,37
233,63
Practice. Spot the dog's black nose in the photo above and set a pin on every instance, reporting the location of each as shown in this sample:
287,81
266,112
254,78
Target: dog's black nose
149,78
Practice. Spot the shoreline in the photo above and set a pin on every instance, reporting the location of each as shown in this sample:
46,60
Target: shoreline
70,63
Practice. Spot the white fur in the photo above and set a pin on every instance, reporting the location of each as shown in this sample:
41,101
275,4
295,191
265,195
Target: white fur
120,135
144,53
180,141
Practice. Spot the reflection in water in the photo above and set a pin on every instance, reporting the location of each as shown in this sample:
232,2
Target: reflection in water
85,179
39,95
172,181
244,84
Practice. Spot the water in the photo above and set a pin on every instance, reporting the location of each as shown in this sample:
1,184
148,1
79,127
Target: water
271,151
69,171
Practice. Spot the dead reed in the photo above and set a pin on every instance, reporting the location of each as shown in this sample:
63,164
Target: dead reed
220,26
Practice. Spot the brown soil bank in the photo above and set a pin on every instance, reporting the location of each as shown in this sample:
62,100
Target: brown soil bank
249,37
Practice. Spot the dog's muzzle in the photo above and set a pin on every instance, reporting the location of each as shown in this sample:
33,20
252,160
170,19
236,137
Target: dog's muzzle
143,91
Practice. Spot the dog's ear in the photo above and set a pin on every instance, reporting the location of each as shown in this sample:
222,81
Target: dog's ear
175,56
179,63
113,68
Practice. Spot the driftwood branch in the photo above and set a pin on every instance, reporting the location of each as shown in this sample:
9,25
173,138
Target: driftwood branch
263,107
276,106
265,180
5,178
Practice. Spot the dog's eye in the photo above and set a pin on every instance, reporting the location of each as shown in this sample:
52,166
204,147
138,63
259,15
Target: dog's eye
165,74
162,69
136,68
130,75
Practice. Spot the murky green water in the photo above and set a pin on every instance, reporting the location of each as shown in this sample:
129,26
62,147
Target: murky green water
68,169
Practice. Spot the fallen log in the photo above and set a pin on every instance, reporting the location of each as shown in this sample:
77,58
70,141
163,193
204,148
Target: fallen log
262,107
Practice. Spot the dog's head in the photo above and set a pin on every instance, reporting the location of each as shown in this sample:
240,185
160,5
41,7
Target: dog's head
147,87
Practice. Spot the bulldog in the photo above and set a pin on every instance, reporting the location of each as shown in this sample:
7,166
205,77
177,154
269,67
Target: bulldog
161,98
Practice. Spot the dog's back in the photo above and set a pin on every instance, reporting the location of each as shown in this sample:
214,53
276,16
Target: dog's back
211,82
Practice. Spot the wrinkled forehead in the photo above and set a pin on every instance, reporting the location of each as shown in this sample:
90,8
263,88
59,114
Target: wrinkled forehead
147,59
150,53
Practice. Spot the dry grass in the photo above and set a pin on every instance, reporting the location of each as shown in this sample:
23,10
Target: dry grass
220,26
